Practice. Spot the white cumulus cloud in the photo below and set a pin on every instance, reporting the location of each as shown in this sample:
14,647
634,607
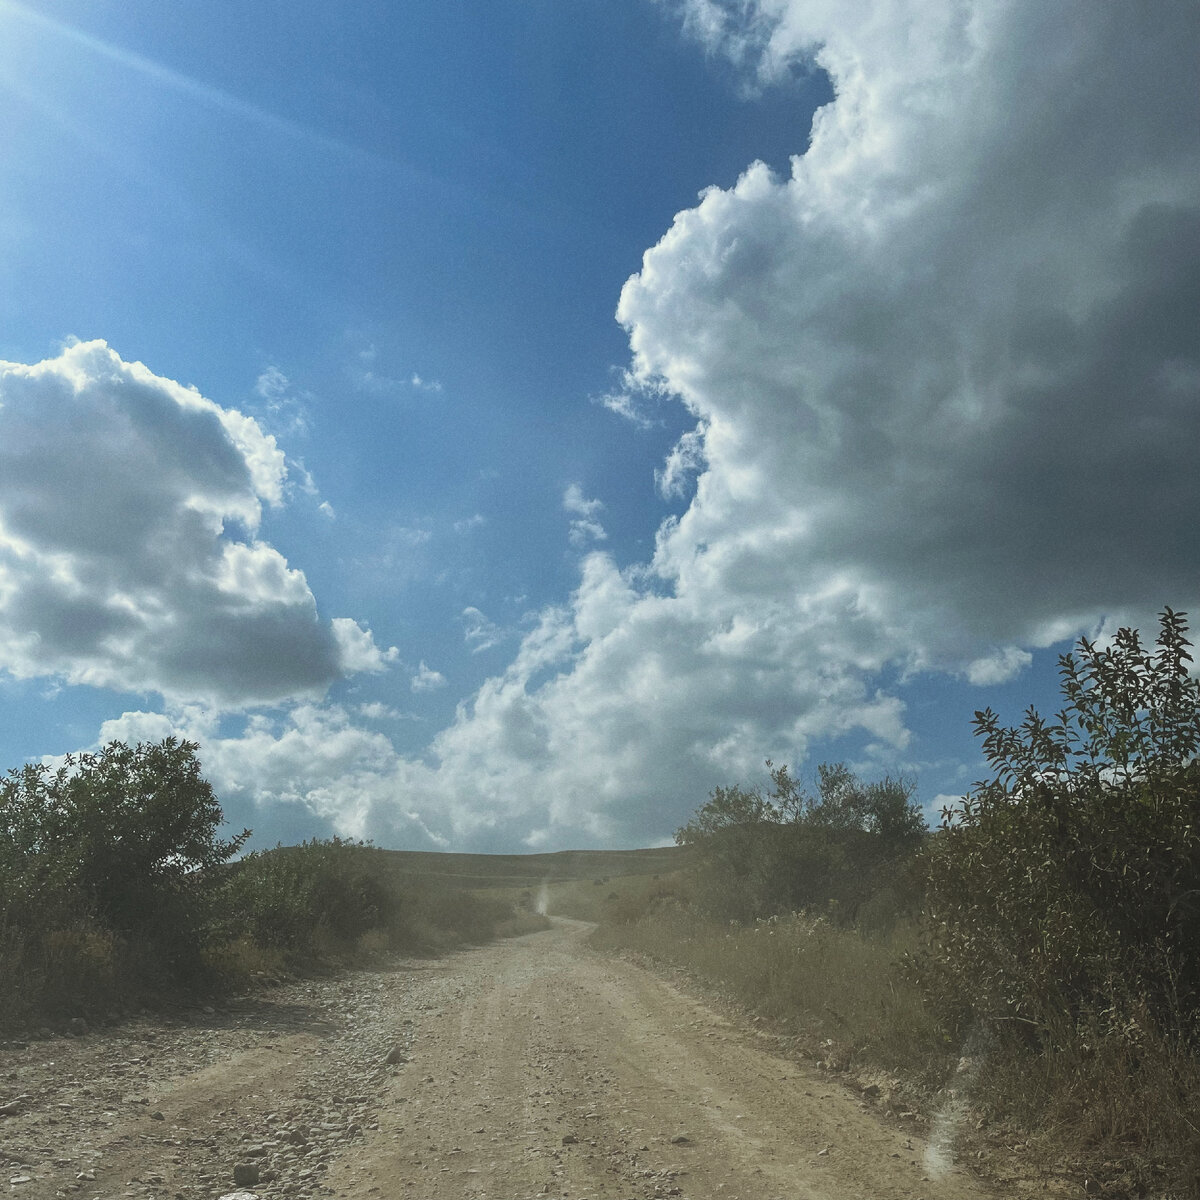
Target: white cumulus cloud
130,507
585,514
479,631
944,373
945,378
427,679
1005,664
358,649
312,762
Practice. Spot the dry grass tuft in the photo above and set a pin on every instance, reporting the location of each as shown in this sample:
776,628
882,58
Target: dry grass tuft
840,992
1115,1107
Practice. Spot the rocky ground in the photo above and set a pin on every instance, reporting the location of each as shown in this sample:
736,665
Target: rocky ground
272,1088
530,1068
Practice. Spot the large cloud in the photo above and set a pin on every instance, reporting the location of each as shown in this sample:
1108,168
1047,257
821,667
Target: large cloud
129,508
947,371
946,381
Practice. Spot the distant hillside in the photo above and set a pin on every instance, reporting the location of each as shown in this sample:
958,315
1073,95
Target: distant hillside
524,870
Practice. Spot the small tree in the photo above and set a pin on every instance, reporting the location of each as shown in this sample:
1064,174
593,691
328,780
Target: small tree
288,898
736,836
127,836
1070,880
793,849
843,802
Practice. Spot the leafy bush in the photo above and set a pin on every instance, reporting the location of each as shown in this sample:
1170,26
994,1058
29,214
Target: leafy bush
792,849
115,890
337,900
106,862
1069,883
128,831
1061,929
441,915
292,899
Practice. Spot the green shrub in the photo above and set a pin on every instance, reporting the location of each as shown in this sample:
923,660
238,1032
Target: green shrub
115,889
338,900
758,855
107,869
83,959
443,916
236,962
318,892
1069,883
644,899
126,837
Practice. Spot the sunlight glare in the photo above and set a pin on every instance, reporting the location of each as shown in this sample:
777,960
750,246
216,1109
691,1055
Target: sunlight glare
175,81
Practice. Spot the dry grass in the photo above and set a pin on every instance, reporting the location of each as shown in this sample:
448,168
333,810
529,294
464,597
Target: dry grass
242,961
593,899
1115,1108
1122,1105
839,991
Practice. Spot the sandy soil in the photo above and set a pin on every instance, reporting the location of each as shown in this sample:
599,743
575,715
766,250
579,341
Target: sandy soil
533,1067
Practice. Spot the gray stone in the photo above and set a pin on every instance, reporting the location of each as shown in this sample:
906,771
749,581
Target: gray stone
246,1174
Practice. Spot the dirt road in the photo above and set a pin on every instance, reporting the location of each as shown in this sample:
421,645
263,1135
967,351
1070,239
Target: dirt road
533,1067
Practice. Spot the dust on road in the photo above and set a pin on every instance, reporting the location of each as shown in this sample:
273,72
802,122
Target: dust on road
529,1068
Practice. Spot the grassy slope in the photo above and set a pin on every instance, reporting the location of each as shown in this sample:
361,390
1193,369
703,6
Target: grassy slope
530,870
568,883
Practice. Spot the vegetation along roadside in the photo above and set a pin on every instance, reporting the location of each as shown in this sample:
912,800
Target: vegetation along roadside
117,892
1031,969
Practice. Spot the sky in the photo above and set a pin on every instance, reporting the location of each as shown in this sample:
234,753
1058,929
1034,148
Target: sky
492,426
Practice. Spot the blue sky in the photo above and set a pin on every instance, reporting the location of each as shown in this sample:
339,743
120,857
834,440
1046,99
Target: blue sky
491,426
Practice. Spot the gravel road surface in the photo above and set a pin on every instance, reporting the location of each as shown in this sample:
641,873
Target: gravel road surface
529,1068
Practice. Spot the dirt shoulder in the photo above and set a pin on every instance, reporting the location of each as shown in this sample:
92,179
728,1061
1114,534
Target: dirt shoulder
285,1082
532,1067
